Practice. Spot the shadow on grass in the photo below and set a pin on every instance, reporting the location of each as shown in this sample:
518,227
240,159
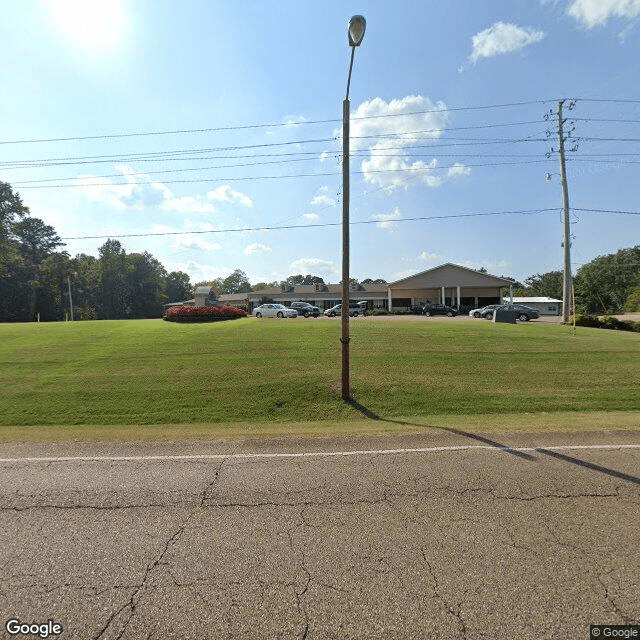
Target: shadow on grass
501,447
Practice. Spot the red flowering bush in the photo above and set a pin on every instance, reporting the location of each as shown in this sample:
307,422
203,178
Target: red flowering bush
186,313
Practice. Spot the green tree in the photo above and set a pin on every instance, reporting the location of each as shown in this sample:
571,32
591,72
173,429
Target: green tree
11,212
604,284
376,281
36,240
85,286
55,273
259,286
236,282
299,280
633,301
546,285
178,287
146,280
114,285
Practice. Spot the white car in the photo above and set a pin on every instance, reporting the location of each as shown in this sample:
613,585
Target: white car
274,311
478,313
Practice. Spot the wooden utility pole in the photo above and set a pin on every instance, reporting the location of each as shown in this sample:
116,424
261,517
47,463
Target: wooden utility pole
345,339
566,242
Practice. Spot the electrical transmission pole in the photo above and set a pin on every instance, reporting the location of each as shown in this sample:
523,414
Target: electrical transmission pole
566,280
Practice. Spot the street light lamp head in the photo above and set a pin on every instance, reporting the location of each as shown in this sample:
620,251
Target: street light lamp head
357,26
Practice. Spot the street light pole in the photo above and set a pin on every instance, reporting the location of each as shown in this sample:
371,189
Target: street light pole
357,26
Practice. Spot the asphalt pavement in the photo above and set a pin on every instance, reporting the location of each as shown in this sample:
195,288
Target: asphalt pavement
443,535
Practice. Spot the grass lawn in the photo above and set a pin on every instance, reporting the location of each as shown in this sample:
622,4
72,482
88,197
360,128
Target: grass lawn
135,378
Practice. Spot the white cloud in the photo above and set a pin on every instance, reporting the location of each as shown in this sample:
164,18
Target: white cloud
224,193
313,266
312,217
405,122
294,121
321,198
593,13
140,192
256,247
425,256
386,220
185,204
502,38
399,275
195,243
458,170
489,265
197,271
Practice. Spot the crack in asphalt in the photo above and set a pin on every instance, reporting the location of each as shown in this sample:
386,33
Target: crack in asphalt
303,576
131,604
455,613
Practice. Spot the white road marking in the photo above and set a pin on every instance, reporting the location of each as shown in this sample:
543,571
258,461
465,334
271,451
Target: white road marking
321,454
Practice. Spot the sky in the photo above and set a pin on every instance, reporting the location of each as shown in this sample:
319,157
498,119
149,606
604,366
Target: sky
209,133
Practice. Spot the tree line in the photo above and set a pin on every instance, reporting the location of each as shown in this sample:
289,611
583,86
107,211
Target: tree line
38,281
607,284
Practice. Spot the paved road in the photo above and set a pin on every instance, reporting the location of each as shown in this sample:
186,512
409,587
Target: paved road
475,541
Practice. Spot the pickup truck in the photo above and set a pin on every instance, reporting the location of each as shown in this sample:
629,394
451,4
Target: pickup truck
305,309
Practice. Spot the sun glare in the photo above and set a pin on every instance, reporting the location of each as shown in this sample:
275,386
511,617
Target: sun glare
91,24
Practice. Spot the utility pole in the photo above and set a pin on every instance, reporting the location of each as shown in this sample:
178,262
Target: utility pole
566,280
70,299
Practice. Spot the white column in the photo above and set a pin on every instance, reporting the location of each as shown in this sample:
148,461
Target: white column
442,295
389,297
458,292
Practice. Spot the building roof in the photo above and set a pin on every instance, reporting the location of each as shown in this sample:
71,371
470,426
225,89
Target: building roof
534,299
449,275
309,290
204,291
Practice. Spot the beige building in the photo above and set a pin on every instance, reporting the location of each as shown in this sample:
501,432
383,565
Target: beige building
449,284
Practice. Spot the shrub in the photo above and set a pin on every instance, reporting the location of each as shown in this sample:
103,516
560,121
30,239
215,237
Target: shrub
606,322
186,313
378,312
633,301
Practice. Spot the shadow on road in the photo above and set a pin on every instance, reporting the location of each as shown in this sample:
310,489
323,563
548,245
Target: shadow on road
520,454
590,465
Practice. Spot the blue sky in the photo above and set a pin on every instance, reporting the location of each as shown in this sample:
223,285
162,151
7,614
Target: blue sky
448,105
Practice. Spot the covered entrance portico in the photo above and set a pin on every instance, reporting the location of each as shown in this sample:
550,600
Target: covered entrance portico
448,284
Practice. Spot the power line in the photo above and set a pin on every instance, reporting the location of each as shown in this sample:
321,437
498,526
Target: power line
626,213
613,100
141,156
316,225
408,170
166,156
270,125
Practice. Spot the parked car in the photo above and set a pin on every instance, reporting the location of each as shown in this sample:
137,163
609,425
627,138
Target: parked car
355,309
479,313
305,309
523,313
274,311
439,310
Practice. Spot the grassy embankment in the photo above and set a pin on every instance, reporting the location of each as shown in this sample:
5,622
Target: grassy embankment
145,379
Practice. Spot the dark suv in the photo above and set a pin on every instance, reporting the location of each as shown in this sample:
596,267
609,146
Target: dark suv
305,309
439,310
